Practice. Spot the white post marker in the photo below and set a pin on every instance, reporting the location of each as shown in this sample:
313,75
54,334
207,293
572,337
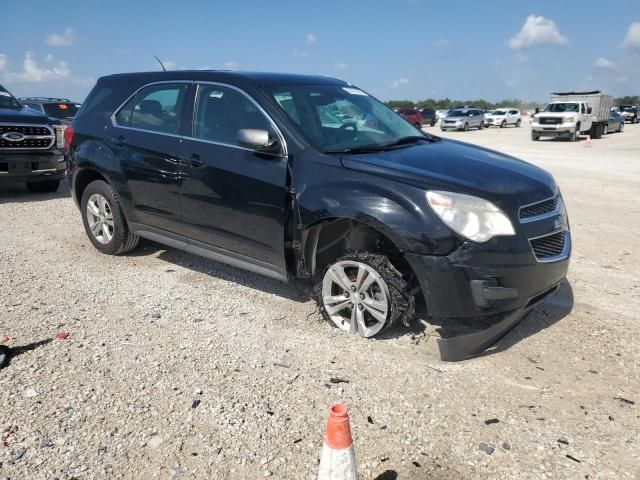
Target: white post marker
338,460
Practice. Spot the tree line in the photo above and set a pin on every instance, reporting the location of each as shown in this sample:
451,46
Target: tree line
448,104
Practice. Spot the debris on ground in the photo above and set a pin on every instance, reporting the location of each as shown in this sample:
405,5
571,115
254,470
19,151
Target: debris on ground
338,380
62,335
491,421
486,448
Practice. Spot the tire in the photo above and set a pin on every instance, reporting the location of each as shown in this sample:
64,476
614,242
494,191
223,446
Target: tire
418,126
433,123
605,130
466,127
503,124
388,290
481,126
518,123
112,238
47,186
535,137
621,127
573,137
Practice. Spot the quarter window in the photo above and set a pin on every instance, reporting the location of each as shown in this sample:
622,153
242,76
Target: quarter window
156,108
221,112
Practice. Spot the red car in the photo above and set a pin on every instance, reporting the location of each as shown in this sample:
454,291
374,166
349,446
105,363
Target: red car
412,116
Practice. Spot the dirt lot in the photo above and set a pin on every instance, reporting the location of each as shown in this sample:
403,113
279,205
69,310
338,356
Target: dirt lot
180,367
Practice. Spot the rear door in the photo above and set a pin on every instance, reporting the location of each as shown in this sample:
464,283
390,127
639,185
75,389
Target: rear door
145,137
233,198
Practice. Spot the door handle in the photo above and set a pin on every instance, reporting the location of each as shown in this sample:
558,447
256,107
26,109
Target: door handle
119,140
195,160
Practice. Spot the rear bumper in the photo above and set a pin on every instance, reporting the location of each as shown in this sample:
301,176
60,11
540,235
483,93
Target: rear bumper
32,166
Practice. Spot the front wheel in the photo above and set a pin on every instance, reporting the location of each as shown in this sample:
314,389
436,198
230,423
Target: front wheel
481,126
535,137
418,126
621,127
466,127
518,123
47,186
364,294
503,124
103,220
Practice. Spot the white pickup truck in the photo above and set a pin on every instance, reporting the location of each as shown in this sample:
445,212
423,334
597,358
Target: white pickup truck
571,114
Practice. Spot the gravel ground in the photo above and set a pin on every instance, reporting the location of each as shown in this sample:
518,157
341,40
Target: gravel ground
180,367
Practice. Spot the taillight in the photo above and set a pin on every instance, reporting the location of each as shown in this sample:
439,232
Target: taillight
68,137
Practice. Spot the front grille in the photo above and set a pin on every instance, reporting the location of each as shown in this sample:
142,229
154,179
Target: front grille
549,245
36,137
550,120
539,208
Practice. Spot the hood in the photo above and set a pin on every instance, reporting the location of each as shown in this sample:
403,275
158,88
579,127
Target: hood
460,167
24,115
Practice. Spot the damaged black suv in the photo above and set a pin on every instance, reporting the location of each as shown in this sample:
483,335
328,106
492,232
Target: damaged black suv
31,146
310,177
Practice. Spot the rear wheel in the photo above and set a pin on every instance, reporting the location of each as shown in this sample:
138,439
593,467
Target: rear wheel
47,186
621,127
481,126
364,294
433,123
606,130
103,220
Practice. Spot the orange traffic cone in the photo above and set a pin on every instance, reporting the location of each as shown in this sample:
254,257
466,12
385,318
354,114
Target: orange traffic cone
588,142
338,460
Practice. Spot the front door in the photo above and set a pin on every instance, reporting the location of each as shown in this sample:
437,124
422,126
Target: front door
145,139
233,198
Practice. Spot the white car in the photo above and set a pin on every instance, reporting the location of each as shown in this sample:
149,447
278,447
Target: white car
440,114
503,117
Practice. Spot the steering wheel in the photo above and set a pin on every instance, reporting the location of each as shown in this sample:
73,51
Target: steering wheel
346,125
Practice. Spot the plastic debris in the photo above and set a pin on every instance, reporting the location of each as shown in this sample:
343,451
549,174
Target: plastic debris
62,335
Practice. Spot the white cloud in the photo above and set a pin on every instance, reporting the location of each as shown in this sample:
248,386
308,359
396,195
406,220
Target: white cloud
632,38
3,61
442,43
34,73
311,39
64,39
604,64
399,82
521,58
341,66
537,30
231,65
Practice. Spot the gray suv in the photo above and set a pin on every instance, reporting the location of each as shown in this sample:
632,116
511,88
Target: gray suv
463,119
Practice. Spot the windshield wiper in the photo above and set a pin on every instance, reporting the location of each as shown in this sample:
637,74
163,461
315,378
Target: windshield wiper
366,149
409,140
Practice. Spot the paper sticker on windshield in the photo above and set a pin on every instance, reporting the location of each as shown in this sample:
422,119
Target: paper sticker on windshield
354,91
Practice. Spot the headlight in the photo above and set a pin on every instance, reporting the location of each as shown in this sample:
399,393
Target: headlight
472,217
568,119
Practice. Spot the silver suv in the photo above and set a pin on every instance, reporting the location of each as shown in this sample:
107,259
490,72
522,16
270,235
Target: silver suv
463,119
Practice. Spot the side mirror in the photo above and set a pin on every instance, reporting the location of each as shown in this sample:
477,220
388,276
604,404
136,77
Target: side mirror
537,110
257,139
589,110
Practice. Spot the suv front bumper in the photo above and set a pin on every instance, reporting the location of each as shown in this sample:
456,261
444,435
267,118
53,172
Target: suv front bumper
32,166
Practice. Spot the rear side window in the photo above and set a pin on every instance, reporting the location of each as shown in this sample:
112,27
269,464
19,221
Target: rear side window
156,108
221,112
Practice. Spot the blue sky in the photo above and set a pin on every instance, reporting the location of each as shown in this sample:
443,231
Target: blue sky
395,49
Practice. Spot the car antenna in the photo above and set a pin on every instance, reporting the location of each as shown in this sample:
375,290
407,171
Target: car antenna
161,64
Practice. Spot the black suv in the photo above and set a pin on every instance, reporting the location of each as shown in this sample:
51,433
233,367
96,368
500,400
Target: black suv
31,146
309,177
428,116
61,108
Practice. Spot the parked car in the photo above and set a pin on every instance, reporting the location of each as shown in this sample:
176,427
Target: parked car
428,116
31,146
240,168
440,114
412,116
616,123
570,114
463,120
503,117
630,113
61,108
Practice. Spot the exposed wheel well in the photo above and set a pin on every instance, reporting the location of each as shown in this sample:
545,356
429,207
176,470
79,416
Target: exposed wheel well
333,238
84,178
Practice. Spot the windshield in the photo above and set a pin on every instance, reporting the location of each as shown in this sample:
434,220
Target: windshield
627,108
7,100
457,113
335,118
500,112
61,110
561,107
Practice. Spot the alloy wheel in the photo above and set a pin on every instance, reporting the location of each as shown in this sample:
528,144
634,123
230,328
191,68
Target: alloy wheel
100,218
356,298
